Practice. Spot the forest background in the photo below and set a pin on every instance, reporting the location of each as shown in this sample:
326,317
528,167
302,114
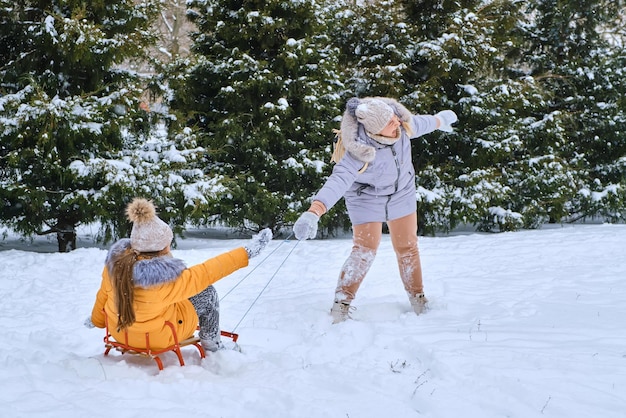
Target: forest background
222,112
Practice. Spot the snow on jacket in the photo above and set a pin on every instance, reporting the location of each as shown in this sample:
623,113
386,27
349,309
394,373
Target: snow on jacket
386,189
163,286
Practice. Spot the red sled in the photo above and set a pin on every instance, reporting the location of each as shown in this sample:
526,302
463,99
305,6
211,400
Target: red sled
110,342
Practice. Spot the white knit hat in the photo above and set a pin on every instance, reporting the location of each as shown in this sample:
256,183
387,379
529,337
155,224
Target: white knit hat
149,233
374,114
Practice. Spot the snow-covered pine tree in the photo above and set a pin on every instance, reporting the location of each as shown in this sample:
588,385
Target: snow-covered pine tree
65,102
263,91
375,44
541,131
546,139
574,50
462,60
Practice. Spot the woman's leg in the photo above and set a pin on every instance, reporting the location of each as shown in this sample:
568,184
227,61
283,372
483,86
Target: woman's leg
366,239
403,234
207,305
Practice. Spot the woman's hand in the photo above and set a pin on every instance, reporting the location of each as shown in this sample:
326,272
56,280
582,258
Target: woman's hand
306,226
446,119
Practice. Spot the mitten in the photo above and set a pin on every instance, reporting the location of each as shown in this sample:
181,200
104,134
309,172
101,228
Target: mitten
306,226
88,323
447,118
258,242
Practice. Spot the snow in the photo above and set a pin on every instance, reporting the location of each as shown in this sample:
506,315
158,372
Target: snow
522,324
49,28
426,195
469,89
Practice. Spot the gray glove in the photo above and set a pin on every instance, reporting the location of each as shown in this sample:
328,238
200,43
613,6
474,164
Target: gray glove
447,118
258,242
306,226
88,323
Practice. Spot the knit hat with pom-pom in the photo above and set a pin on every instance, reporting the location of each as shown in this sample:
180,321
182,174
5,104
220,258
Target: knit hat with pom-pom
149,233
373,113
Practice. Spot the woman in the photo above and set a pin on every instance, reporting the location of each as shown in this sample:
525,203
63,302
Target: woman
143,286
377,180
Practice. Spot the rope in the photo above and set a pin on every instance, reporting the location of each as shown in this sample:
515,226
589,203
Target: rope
269,281
255,267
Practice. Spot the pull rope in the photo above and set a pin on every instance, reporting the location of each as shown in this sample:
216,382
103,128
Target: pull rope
256,267
269,281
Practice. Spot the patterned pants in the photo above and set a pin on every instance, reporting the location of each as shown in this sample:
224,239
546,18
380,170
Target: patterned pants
207,306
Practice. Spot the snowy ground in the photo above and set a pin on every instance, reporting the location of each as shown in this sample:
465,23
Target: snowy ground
524,324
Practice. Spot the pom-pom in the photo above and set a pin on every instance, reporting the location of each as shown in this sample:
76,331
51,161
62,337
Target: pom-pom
352,104
140,210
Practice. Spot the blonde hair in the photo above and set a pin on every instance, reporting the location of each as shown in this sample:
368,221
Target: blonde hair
407,128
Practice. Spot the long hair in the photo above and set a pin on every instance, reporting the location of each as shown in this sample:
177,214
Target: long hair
123,284
124,289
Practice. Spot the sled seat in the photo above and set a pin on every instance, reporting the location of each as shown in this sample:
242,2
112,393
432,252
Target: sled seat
124,347
110,342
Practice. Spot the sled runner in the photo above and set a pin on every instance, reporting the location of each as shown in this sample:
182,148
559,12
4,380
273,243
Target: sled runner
124,347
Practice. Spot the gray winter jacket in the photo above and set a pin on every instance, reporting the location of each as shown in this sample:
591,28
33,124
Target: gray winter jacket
386,189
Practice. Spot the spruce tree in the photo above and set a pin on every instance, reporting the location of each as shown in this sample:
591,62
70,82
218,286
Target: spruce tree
568,53
540,137
374,41
263,92
66,102
463,58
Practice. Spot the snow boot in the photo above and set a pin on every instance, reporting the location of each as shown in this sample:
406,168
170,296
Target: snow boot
341,311
419,303
212,345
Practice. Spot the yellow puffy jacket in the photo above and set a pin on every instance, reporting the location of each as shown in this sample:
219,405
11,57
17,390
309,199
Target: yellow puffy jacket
163,286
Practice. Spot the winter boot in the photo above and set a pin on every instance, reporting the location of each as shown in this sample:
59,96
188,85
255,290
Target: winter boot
419,303
341,311
212,345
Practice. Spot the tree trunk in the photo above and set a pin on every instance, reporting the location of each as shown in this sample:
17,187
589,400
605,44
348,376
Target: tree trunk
66,237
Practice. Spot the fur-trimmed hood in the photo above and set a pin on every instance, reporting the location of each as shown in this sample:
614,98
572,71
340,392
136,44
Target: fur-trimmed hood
350,127
147,273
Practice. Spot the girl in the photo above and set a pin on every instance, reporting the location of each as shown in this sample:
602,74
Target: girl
377,180
143,285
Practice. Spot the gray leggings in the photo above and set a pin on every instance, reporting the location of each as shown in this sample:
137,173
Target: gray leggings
207,306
